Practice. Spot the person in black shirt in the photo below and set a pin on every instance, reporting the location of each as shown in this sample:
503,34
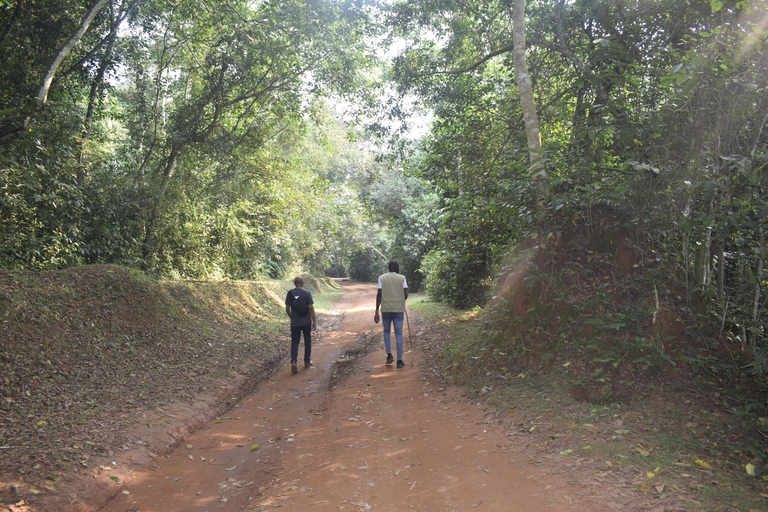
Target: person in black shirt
300,309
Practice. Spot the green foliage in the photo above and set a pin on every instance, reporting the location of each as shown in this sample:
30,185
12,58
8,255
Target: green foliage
365,266
190,158
475,228
40,210
565,301
469,351
659,114
405,204
705,363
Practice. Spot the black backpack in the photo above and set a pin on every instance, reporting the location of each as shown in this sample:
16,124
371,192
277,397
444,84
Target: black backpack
299,305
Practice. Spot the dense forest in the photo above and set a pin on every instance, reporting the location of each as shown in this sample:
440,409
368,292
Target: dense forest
237,139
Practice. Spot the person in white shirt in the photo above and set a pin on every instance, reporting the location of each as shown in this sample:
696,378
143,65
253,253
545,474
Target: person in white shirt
391,297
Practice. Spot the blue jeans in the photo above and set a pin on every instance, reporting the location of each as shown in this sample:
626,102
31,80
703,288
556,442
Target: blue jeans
387,319
296,338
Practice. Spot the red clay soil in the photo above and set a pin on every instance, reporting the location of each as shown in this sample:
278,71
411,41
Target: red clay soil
377,438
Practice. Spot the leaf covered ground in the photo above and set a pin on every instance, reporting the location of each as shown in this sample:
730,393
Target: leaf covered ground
88,352
590,347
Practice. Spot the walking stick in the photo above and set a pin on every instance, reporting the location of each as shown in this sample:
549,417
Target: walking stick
410,340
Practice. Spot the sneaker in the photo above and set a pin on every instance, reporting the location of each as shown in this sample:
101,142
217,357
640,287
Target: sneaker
390,359
294,368
308,364
400,363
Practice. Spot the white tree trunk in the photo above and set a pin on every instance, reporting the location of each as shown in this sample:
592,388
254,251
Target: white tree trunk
524,85
42,95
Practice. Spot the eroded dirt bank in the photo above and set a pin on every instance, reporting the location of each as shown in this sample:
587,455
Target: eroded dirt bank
378,439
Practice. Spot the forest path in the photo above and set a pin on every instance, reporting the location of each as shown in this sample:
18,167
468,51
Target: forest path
381,439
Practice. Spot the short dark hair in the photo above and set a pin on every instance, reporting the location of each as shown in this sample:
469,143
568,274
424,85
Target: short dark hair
393,266
298,280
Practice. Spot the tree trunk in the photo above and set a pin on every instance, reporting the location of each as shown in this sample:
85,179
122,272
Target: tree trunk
16,11
170,167
758,286
98,82
530,116
42,95
721,275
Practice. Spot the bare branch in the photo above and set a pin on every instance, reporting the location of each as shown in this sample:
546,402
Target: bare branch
116,22
14,17
474,66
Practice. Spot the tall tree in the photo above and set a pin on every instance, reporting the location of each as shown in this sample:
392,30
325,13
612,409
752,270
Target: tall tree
245,70
527,101
610,109
168,143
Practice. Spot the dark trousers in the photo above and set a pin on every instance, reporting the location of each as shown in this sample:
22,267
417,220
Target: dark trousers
296,339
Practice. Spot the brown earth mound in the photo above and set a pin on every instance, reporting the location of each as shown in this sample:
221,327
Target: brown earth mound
89,354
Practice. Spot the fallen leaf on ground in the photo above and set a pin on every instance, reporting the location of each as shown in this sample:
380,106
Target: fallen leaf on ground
651,474
643,451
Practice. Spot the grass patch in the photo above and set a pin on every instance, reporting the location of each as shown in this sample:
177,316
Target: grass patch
325,301
423,305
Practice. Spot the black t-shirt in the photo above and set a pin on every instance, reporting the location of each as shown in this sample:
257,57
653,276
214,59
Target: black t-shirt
305,296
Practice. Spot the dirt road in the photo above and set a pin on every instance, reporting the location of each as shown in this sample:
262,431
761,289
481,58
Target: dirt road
380,439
